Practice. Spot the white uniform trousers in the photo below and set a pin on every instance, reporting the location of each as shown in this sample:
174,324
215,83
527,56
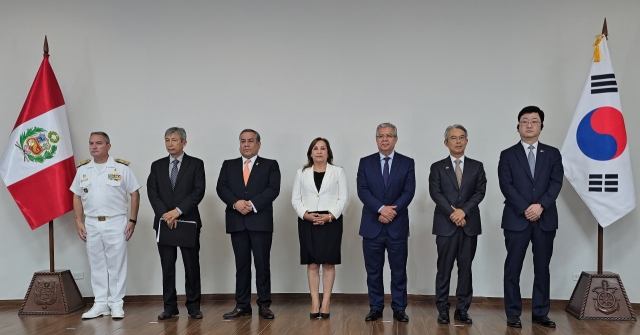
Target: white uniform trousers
107,251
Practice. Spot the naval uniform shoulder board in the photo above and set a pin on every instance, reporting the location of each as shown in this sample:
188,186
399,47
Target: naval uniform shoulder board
122,161
84,162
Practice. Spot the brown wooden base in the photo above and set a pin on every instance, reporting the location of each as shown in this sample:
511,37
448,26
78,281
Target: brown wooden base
600,297
52,293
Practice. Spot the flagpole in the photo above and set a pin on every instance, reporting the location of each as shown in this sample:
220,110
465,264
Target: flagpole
51,263
605,32
45,49
600,245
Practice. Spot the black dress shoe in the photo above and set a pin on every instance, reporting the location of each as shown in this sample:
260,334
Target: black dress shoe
236,313
443,317
195,314
373,315
514,322
265,313
165,315
314,315
462,316
544,321
325,315
400,316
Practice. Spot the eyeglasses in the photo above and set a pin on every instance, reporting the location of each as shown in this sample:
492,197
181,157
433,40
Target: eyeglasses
455,138
533,123
387,136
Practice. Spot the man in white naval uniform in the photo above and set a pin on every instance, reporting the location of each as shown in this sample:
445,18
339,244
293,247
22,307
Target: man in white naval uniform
101,188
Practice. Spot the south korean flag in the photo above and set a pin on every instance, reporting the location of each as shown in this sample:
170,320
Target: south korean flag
595,153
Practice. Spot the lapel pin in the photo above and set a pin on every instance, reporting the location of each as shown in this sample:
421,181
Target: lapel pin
446,167
257,163
541,150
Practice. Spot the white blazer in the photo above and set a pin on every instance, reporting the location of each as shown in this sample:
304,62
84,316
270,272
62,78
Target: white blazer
333,195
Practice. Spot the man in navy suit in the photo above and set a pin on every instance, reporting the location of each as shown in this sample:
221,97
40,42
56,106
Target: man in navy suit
530,175
386,184
248,185
457,185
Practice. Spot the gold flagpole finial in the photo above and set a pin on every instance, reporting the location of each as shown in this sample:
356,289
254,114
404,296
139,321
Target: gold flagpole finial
605,34
45,48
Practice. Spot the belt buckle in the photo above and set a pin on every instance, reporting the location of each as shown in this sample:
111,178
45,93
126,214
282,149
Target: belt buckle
102,218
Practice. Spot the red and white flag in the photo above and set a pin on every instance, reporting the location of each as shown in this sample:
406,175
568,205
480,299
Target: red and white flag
37,164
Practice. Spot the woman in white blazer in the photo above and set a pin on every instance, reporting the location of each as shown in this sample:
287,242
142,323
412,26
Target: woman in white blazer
319,197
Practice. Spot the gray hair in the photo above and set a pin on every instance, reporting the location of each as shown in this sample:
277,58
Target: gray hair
103,134
181,132
250,131
387,125
455,126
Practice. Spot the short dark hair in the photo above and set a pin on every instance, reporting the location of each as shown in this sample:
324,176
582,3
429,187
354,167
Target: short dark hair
313,144
531,109
250,131
103,134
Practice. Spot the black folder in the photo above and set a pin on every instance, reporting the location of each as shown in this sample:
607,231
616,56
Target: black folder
184,234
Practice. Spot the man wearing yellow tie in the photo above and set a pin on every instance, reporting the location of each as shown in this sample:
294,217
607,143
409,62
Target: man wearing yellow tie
248,185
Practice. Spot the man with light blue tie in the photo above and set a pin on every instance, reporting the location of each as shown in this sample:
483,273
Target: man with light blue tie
386,185
530,175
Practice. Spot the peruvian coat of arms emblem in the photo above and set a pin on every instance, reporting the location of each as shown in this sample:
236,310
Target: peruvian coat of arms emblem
46,292
37,144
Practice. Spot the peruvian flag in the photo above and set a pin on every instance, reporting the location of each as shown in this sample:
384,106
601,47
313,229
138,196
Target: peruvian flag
37,164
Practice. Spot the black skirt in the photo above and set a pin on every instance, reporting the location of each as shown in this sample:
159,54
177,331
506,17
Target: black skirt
320,244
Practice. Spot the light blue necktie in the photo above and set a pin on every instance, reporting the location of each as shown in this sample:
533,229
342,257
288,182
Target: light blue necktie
174,173
532,161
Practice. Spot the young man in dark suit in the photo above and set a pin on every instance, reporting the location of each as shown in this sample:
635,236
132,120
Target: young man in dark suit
248,186
530,175
386,185
457,185
175,187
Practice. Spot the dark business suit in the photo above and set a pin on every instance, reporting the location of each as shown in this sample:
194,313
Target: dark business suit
252,232
456,243
187,194
521,190
399,191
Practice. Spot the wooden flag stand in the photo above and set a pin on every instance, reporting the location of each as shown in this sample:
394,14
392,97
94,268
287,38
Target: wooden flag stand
600,295
51,292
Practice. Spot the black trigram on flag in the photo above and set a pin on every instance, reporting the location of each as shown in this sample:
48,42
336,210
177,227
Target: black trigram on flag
603,183
604,83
